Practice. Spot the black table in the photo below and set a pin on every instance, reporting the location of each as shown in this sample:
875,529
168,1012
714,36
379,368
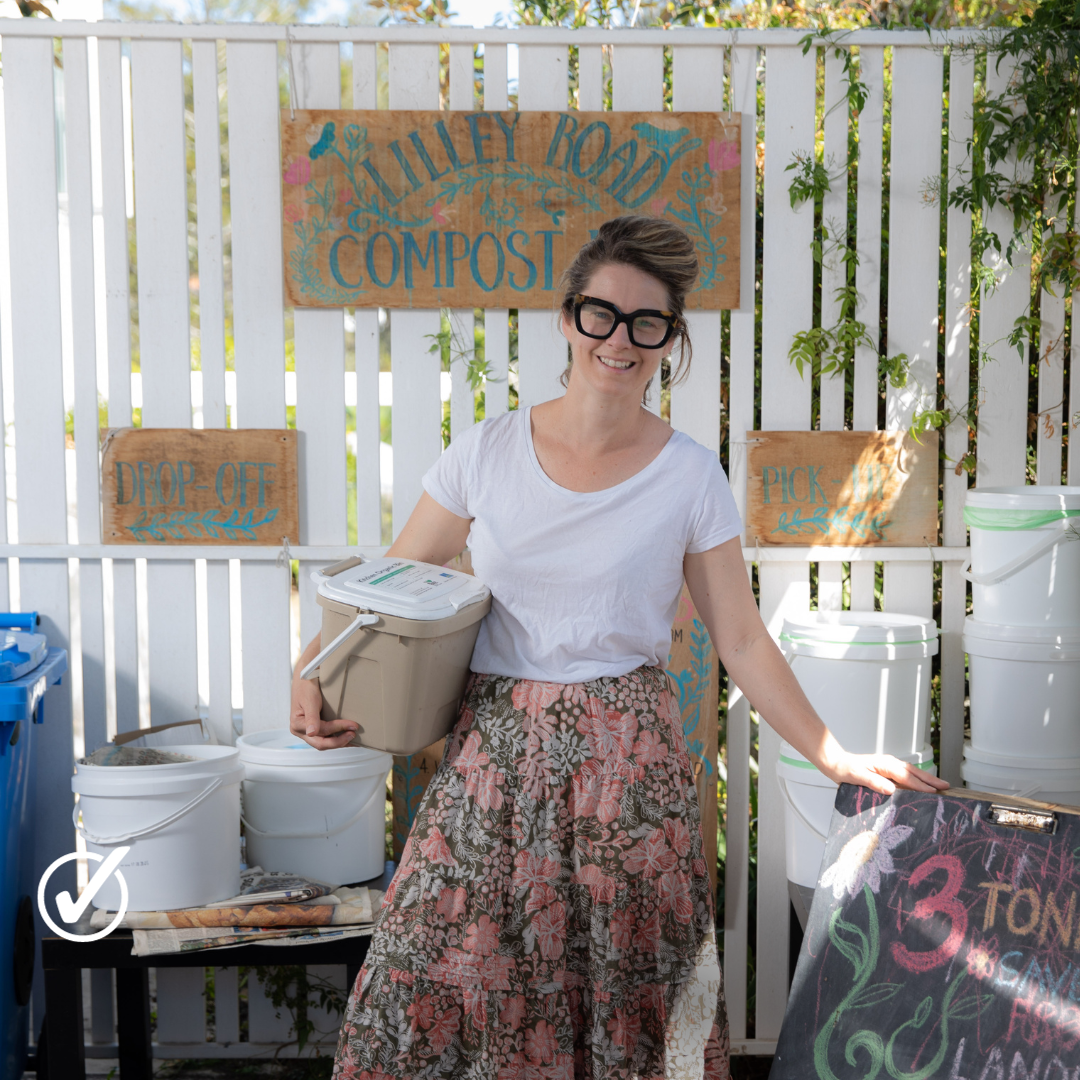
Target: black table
63,962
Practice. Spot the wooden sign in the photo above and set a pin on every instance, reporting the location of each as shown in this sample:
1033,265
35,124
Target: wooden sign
480,209
184,486
842,488
942,942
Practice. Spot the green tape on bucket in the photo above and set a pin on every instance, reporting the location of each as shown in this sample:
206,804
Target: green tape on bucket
797,763
994,519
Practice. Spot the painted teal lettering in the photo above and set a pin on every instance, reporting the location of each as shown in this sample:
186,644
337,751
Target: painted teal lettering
162,465
182,481
448,146
219,483
451,258
561,135
121,466
478,140
245,480
335,264
474,262
784,487
425,157
145,479
508,132
601,159
406,166
815,486
380,183
769,483
791,484
547,234
855,482
263,482
512,277
623,193
626,154
411,248
395,260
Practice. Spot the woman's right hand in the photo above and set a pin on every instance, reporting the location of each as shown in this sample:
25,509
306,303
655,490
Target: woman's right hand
306,722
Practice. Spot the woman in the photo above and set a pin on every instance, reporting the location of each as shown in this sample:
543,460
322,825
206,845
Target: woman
552,915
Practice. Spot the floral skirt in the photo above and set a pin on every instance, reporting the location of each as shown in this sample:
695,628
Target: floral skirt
551,918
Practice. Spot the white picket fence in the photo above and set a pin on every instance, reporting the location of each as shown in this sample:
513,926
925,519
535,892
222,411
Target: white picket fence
209,629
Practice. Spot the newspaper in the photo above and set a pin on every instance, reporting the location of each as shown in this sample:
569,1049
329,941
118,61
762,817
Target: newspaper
259,886
164,942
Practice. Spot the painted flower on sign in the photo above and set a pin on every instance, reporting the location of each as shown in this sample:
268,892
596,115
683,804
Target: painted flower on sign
866,857
298,171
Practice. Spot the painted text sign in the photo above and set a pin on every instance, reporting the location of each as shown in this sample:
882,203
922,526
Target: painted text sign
842,488
482,209
182,486
939,944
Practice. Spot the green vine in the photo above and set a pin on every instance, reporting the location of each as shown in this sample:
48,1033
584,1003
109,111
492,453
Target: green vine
292,987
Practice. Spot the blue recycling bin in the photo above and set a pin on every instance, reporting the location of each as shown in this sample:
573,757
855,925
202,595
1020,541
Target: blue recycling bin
21,714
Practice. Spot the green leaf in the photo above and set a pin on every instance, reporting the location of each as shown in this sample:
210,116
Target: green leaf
874,995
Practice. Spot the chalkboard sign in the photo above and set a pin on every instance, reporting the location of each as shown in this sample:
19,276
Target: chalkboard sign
942,942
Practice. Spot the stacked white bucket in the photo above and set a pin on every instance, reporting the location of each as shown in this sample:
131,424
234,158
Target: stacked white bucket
867,673
1023,642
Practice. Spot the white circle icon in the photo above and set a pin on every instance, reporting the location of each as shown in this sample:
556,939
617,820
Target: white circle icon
72,910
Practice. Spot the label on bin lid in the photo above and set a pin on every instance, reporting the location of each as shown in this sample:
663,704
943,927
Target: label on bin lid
405,588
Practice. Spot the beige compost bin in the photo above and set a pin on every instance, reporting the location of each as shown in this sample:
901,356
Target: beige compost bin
399,635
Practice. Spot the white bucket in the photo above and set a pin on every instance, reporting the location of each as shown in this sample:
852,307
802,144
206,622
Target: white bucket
1025,689
1053,780
1025,562
318,813
181,821
867,673
808,796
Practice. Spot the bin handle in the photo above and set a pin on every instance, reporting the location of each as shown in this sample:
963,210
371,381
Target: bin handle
363,619
795,810
126,838
322,834
1065,530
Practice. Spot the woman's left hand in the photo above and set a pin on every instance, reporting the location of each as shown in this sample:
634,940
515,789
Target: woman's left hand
882,772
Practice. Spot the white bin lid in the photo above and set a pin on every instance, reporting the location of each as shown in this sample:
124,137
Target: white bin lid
1027,497
281,748
1053,636
858,628
403,588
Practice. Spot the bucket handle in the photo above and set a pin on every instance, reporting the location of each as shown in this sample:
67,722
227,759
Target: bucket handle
363,619
796,811
1064,530
126,838
323,833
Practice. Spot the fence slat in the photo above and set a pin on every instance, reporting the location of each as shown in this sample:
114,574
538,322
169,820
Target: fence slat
181,1005
496,320
1003,377
590,78
914,244
226,1005
957,361
864,412
84,362
414,84
259,336
204,78
787,268
319,341
39,420
1051,368
157,112
542,350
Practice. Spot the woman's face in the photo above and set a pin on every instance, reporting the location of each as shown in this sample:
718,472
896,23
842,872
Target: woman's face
615,367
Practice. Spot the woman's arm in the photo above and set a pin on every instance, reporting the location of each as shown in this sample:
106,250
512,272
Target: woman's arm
721,593
432,535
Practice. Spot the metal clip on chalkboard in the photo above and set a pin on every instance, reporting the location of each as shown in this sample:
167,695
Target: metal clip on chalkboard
1022,817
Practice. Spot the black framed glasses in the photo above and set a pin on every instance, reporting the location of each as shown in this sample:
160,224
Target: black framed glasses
646,328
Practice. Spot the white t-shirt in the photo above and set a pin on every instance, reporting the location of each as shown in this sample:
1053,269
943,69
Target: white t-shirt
583,584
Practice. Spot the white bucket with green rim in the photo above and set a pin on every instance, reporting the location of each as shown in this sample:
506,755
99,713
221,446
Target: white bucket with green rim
867,673
1051,779
808,796
1025,562
1025,689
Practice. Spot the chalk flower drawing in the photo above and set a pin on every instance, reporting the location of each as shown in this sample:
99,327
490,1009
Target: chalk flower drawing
866,857
982,958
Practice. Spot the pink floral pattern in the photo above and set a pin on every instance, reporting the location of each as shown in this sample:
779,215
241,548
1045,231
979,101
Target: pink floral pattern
552,905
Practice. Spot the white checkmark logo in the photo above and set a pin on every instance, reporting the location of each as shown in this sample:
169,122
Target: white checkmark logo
71,910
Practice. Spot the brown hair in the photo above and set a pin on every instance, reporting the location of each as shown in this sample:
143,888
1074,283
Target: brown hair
655,246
